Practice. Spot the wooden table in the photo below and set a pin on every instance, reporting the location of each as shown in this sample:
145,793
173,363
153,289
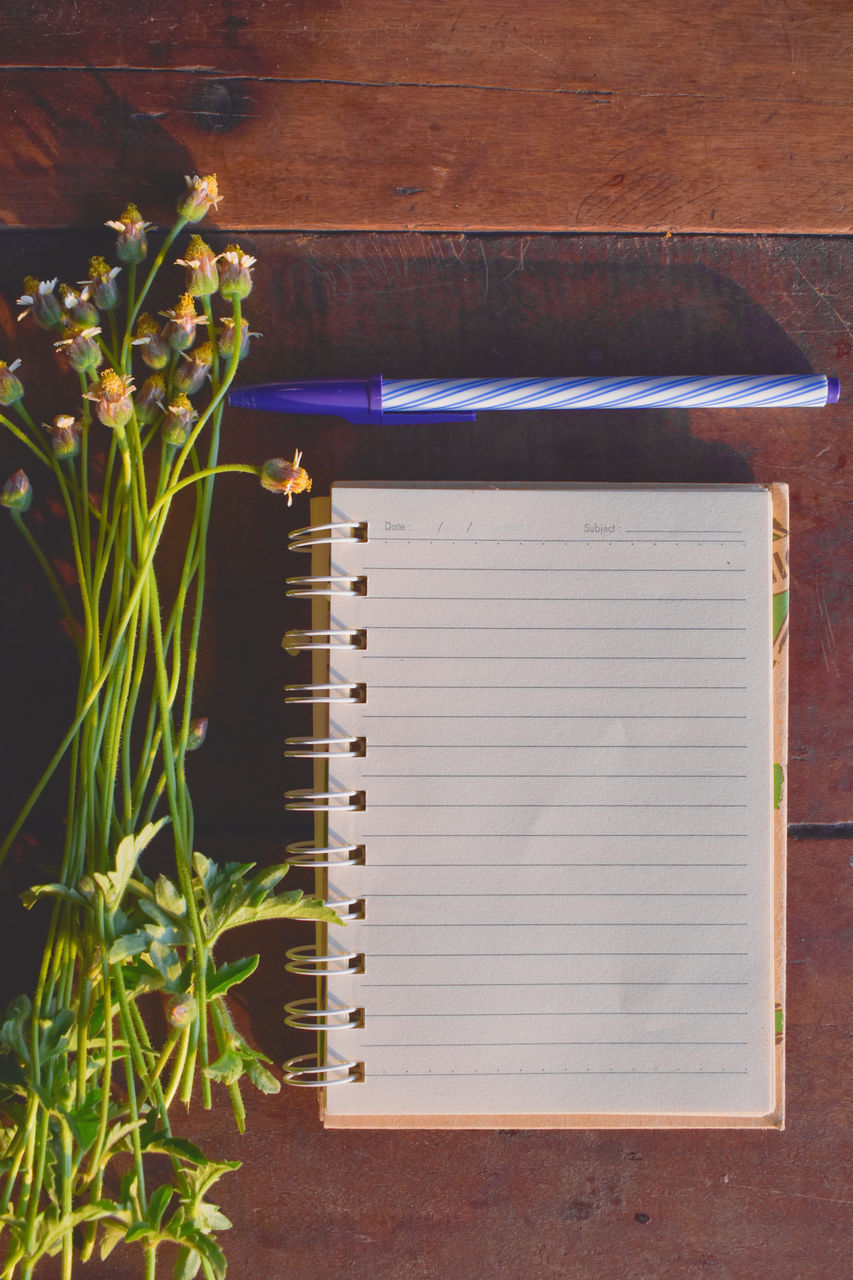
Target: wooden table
413,188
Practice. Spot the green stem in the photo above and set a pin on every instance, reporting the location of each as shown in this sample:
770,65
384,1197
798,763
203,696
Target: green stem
220,470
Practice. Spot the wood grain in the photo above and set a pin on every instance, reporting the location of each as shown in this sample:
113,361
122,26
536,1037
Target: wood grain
623,1205
546,116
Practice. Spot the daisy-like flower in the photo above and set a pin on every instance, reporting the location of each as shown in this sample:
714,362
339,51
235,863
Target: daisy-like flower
102,283
280,476
41,302
193,368
111,394
81,348
64,435
202,273
182,320
11,388
16,494
235,272
131,242
79,303
178,422
151,399
226,334
154,346
200,194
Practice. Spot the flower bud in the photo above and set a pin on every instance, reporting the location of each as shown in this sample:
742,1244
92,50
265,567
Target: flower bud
111,394
102,283
153,345
182,320
64,435
182,1011
150,400
39,300
197,733
225,338
202,272
279,476
79,305
235,273
193,368
11,389
178,422
16,494
200,194
80,347
131,241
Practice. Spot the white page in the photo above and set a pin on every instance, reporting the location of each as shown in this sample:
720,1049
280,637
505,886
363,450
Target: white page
568,877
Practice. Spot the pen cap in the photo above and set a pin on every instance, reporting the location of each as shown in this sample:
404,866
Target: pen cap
358,400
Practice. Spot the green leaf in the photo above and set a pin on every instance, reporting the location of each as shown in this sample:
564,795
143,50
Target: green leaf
227,1069
31,896
13,1030
158,1204
208,1248
168,898
169,1146
129,945
262,1079
138,1231
83,1121
110,1237
230,974
188,1263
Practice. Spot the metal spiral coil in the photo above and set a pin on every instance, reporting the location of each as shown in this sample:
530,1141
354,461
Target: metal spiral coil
334,693
306,960
302,853
301,641
307,1015
306,801
327,585
319,535
319,1076
325,748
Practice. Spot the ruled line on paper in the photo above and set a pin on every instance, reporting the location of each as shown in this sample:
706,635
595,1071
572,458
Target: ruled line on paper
699,963
507,570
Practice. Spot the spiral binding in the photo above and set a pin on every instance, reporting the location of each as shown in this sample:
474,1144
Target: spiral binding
301,641
305,801
313,748
306,960
318,1014
325,693
307,1015
322,1074
327,585
302,853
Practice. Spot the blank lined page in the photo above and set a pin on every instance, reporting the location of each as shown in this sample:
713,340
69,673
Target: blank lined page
568,890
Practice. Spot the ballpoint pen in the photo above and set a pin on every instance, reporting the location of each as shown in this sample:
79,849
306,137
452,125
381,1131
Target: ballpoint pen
408,401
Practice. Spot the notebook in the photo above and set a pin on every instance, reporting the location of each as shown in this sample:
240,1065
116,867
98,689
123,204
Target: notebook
548,779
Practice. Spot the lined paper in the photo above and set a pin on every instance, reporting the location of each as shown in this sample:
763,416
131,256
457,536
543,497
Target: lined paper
567,885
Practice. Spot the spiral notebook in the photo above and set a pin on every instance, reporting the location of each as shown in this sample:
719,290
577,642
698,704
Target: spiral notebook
548,780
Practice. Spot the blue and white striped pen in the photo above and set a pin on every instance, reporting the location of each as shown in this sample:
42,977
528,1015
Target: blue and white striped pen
427,400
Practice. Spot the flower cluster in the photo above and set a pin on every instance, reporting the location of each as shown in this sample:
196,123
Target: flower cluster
85,1074
187,349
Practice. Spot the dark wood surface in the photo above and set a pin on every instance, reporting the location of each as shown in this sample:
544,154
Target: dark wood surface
480,1205
545,115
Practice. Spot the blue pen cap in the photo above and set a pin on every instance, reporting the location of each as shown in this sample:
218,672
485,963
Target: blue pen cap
358,400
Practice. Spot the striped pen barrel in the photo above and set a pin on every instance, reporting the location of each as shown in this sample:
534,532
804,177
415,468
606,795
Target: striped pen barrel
412,401
413,395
